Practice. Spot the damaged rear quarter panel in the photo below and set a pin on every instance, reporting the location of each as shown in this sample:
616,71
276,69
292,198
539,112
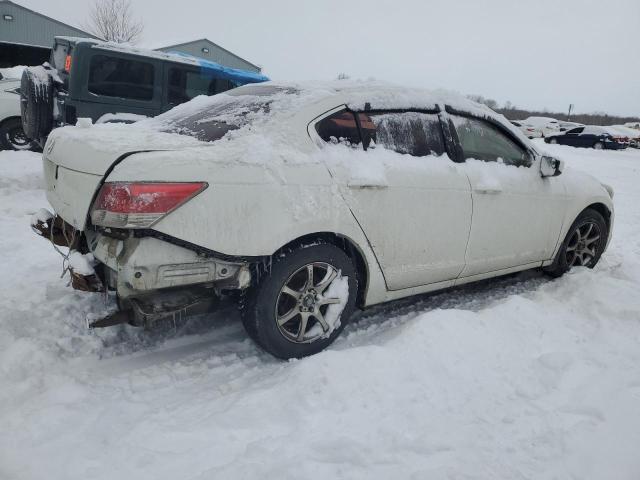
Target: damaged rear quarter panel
248,209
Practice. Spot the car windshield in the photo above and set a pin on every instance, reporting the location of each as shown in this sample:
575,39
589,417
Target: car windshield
211,118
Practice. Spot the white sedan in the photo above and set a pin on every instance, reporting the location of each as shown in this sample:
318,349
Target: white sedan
311,200
528,130
545,125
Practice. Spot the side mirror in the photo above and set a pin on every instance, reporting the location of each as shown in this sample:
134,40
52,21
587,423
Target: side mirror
551,167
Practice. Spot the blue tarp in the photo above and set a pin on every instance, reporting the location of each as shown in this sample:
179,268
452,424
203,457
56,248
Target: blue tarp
241,77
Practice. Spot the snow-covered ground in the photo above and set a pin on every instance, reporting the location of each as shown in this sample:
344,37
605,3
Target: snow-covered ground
521,377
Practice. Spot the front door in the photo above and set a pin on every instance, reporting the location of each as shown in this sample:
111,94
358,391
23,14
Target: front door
516,212
411,200
573,138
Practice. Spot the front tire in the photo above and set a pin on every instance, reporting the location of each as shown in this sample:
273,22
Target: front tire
584,244
301,303
553,141
598,145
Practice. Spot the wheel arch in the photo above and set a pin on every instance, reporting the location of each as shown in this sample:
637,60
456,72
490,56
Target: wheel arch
344,243
12,117
602,209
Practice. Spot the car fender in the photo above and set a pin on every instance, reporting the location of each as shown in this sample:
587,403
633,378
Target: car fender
583,191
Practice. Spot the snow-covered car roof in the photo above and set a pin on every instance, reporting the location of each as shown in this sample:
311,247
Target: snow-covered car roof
599,130
286,99
228,73
626,131
540,120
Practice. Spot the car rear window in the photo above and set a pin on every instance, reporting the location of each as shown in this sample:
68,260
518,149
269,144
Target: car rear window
232,110
121,77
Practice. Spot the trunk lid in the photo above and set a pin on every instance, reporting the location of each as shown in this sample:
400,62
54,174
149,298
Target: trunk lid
76,159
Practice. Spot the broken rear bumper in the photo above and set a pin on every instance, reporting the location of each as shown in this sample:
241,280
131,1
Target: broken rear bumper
138,266
153,278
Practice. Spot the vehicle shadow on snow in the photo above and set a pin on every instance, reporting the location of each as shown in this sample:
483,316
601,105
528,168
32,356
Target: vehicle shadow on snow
368,324
221,334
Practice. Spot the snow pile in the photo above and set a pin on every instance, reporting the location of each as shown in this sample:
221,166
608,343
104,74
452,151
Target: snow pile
339,288
14,73
520,377
120,117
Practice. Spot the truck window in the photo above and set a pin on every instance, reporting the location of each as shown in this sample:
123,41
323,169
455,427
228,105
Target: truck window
185,84
121,78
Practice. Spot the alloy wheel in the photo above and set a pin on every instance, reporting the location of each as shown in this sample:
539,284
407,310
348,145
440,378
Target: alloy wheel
582,246
301,306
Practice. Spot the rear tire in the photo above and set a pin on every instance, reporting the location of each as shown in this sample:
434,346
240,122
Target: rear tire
36,105
12,136
553,141
289,315
583,245
598,146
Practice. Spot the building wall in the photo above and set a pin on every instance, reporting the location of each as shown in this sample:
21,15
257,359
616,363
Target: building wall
215,54
30,28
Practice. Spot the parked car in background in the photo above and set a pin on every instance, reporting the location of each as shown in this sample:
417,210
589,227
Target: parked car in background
350,185
635,125
591,136
564,125
528,130
87,78
12,136
631,133
545,125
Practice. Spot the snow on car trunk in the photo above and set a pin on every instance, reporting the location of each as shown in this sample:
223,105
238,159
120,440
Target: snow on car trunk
75,160
519,377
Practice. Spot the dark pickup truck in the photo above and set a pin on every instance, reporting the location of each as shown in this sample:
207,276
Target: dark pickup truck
107,82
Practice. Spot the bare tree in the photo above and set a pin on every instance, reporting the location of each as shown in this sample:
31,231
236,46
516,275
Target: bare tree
113,20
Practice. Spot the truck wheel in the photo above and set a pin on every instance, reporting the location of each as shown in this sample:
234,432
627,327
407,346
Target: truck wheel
301,302
36,104
12,136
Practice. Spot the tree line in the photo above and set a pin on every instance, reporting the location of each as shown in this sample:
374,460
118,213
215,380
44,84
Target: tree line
514,113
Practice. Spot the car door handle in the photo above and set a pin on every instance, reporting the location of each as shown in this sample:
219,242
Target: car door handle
489,190
366,186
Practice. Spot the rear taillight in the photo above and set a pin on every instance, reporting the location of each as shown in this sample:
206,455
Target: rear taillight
67,64
140,205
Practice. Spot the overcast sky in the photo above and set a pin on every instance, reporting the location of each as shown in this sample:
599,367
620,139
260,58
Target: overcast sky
536,54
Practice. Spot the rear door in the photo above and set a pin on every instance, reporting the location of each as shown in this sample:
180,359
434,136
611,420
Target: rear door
517,214
411,201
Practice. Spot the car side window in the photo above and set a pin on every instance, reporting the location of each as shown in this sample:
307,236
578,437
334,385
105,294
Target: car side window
576,130
339,127
482,141
414,133
121,78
